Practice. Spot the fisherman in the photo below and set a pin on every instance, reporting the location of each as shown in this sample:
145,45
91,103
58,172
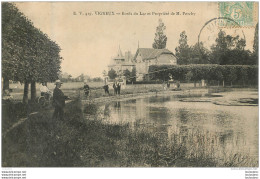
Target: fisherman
118,87
115,87
58,101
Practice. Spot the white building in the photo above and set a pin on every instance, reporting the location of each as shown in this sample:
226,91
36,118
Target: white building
145,57
121,63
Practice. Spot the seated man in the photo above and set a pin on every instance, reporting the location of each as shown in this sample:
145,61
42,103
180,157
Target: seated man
7,95
45,91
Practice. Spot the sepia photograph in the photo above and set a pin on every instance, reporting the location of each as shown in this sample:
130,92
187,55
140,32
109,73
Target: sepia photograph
130,85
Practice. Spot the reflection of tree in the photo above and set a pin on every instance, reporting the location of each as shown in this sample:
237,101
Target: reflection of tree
183,115
107,110
157,100
184,134
224,137
159,115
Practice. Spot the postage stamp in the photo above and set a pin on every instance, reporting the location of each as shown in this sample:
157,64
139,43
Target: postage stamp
243,13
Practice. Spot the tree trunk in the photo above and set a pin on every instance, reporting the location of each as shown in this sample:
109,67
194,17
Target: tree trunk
195,84
33,91
231,84
25,92
223,83
6,84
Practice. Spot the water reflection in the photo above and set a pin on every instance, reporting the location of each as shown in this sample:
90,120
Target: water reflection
117,105
107,110
215,129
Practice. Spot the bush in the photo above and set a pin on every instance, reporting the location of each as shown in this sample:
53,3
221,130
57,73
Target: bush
228,73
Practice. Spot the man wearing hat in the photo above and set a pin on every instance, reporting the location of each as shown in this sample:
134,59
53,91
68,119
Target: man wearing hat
58,101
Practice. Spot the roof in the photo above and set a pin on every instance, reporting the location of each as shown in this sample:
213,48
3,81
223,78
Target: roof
150,53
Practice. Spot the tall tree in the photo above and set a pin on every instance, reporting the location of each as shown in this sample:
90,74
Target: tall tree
254,57
29,56
229,50
160,39
183,50
199,54
255,46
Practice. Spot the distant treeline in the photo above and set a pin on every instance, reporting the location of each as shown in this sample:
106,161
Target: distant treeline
70,79
228,74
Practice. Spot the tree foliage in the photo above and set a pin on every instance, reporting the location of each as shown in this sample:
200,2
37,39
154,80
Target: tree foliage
160,39
230,50
199,54
254,57
112,74
127,74
133,74
29,55
255,46
183,51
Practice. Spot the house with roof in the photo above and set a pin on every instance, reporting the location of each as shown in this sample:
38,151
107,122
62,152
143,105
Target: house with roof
145,57
121,63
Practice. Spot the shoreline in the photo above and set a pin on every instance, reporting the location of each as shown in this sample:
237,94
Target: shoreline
143,95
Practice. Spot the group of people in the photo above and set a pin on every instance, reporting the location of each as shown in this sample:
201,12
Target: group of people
175,85
117,87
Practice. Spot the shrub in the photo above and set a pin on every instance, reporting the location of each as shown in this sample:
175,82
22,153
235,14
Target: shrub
227,73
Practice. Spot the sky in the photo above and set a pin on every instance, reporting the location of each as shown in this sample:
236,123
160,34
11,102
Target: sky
90,33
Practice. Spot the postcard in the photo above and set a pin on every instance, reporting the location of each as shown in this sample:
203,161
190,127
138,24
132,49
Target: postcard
130,84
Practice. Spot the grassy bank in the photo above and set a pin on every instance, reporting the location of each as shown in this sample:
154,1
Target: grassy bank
80,142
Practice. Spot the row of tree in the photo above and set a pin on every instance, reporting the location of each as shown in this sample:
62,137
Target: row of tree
65,77
227,50
232,74
28,55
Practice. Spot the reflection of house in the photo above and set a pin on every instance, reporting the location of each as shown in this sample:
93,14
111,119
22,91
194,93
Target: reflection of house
145,57
121,63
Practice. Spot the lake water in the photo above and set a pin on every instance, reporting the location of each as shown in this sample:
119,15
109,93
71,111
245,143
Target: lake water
223,130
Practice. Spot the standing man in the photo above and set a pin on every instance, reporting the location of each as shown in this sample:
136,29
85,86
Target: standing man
115,87
58,101
106,88
118,88
168,84
86,89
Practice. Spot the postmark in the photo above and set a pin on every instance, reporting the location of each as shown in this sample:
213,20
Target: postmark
209,31
243,13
